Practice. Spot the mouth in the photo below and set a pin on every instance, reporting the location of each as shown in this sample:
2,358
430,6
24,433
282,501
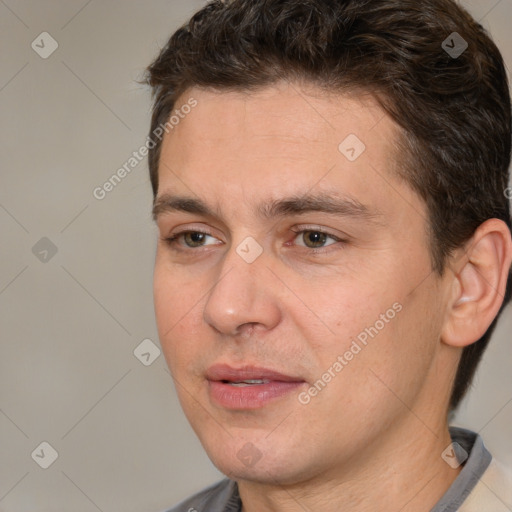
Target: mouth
249,387
252,382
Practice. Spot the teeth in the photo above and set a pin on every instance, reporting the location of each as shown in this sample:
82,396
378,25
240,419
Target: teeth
249,382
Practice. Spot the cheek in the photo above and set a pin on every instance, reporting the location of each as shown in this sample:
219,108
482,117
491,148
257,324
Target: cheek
175,294
380,331
398,360
342,309
352,295
177,303
364,386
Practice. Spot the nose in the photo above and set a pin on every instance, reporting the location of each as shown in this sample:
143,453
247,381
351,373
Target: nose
244,299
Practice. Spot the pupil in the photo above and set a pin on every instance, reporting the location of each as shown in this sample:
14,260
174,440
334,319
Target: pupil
315,238
195,238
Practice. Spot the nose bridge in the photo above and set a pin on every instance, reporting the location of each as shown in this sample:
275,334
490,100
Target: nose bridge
242,294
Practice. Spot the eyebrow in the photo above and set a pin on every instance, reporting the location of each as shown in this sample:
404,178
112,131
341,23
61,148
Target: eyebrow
296,205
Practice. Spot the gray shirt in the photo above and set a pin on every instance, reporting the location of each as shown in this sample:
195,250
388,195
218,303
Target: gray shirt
224,497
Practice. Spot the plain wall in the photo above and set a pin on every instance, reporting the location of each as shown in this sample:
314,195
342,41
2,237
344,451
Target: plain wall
69,325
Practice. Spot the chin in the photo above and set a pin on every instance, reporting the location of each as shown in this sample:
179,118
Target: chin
271,464
262,472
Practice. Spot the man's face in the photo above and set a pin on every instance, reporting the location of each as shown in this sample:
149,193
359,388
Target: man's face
308,252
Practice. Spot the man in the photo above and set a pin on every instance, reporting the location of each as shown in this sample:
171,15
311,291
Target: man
334,251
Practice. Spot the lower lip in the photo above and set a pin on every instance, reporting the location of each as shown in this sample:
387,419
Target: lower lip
250,397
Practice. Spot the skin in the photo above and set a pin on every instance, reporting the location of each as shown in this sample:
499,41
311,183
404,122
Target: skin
373,437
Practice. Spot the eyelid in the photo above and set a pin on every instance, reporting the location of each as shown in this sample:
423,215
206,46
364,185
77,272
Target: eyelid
340,240
172,239
193,229
326,231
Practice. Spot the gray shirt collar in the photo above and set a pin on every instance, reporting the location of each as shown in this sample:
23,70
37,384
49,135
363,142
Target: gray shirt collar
473,469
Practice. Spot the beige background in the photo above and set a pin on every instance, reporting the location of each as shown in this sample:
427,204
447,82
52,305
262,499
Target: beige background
69,326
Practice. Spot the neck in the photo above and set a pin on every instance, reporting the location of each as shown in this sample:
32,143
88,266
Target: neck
402,470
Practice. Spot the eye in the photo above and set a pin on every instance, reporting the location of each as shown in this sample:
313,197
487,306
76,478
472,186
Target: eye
314,239
191,239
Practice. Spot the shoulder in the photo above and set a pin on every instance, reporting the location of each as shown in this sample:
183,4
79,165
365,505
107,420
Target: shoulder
483,485
220,497
492,492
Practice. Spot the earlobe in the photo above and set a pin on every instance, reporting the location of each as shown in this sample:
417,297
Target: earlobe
480,280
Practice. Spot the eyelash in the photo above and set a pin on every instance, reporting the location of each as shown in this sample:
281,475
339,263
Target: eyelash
172,240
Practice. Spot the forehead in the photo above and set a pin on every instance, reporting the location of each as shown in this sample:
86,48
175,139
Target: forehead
284,114
282,140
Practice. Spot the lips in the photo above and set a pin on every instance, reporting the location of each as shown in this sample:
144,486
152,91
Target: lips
223,372
249,387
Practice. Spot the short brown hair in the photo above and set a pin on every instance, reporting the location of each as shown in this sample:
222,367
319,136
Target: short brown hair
454,110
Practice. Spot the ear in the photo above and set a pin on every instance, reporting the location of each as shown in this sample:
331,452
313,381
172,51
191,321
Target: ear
478,284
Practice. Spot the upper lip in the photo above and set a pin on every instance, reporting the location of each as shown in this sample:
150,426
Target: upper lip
224,372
